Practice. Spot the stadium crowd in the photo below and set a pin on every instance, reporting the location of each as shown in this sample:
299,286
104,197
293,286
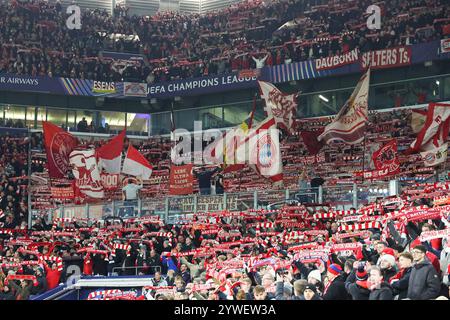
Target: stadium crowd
13,181
394,248
247,35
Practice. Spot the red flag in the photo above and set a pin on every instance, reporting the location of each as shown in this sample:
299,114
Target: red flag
312,143
110,155
386,157
136,165
58,145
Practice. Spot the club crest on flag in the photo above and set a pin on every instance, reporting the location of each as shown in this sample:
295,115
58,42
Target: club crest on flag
266,151
61,146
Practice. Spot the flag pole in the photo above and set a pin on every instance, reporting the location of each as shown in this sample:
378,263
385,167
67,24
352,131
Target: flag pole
364,155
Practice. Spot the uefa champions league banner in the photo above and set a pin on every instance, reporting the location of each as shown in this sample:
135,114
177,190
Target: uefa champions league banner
80,87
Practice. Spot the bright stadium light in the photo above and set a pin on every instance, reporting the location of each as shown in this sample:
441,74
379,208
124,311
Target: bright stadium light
323,98
437,82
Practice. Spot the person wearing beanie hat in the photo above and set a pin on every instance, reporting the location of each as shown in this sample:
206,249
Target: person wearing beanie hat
310,293
315,278
400,281
356,283
424,282
388,266
335,287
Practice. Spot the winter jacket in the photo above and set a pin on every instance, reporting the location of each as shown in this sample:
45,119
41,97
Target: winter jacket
186,276
383,293
401,286
41,287
99,265
424,282
20,292
444,261
52,277
356,291
169,263
336,290
7,295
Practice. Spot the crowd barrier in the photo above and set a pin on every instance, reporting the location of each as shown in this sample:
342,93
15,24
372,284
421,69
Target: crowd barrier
342,197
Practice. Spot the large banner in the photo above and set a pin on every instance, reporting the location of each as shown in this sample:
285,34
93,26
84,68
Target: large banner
58,145
387,58
209,204
62,193
181,180
337,61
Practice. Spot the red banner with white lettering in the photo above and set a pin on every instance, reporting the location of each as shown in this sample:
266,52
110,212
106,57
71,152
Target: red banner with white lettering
181,180
63,193
386,58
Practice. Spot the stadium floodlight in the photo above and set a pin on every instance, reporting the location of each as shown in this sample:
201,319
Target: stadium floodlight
437,82
323,98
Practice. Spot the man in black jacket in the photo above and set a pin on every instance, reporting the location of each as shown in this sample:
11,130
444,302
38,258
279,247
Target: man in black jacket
424,282
401,280
356,283
380,290
335,288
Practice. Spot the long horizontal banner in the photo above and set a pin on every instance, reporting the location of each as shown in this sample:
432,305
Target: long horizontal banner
350,62
354,61
81,87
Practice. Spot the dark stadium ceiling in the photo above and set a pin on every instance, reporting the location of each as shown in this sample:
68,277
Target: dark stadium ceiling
149,7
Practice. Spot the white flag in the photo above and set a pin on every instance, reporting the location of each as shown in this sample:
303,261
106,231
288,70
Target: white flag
282,107
87,175
435,156
350,123
261,149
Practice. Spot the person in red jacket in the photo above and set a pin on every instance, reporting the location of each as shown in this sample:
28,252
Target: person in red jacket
87,265
52,275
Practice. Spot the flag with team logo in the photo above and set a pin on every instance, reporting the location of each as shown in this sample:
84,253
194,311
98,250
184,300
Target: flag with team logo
282,107
86,173
435,156
386,158
261,150
58,145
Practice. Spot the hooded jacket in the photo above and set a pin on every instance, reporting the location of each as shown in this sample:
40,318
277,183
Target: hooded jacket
424,282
